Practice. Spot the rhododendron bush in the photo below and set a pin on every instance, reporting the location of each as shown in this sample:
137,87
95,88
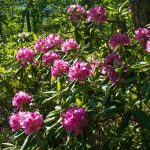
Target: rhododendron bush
85,87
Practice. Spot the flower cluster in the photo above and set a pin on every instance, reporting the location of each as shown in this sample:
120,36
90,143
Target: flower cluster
75,120
79,70
55,40
119,39
25,54
60,66
21,99
76,12
31,122
97,14
148,46
112,62
48,42
50,57
68,45
142,35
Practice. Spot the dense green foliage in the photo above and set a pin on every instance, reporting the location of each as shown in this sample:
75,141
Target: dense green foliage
118,114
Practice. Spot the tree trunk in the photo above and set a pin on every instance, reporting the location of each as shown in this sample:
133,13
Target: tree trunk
1,31
28,21
141,12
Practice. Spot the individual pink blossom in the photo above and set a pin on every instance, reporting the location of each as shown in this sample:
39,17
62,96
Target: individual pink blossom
21,99
75,120
76,12
97,14
25,54
60,66
142,34
14,121
68,45
111,62
79,70
148,46
31,122
50,57
119,39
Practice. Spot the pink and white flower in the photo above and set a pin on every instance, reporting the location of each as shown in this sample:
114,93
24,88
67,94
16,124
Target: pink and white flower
25,54
50,57
119,39
21,99
75,120
97,14
76,12
69,45
60,66
79,70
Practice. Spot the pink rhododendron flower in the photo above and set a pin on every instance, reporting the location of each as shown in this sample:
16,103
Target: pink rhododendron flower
76,12
119,39
31,122
50,57
79,70
68,45
60,66
75,120
97,14
42,45
25,54
142,34
21,99
148,46
14,121
54,39
112,62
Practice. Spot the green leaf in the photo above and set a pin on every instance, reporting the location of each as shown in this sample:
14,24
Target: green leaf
49,120
41,142
18,135
113,110
26,142
147,59
140,65
3,70
49,129
142,118
50,99
77,35
78,102
58,84
8,144
35,37
124,123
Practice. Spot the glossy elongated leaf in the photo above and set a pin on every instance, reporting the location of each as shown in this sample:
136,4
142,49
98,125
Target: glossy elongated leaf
142,118
140,65
58,85
41,142
26,142
113,110
147,59
124,122
8,144
17,136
